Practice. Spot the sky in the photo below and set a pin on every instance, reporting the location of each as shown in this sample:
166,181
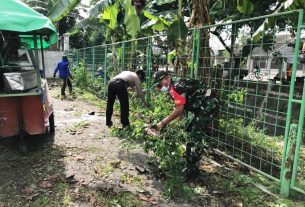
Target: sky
86,2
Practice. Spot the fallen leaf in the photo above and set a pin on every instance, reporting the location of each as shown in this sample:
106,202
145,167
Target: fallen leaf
28,190
115,163
37,165
51,177
45,184
78,158
148,199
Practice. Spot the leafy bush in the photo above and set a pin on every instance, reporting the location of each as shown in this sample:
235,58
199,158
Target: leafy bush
85,80
167,149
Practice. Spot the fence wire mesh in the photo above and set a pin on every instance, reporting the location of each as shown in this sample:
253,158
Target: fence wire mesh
258,76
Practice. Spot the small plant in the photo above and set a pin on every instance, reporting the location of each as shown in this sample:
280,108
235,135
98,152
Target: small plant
168,149
77,126
238,96
104,170
131,179
41,201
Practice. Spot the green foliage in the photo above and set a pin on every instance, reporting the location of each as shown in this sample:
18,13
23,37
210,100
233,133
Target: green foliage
110,15
80,76
175,187
251,134
244,6
61,9
167,149
131,21
177,30
238,96
84,80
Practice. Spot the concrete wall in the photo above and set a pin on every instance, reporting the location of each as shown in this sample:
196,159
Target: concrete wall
51,58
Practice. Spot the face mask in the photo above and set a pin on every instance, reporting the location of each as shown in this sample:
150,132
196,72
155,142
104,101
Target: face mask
165,89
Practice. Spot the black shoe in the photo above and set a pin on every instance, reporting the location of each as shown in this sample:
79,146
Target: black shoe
125,126
192,174
109,124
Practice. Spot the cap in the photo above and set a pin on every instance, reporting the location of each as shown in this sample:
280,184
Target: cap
159,75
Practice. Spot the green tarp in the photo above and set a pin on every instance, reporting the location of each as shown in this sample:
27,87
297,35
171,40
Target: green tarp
18,17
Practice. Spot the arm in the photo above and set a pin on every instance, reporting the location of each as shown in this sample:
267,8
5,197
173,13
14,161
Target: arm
69,72
178,111
139,90
56,69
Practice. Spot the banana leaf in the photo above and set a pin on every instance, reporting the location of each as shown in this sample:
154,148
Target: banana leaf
61,9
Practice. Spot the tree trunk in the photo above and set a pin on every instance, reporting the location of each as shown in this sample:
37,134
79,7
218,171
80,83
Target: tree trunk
199,18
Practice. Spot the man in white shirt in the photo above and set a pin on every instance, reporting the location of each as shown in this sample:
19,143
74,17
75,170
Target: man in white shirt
117,87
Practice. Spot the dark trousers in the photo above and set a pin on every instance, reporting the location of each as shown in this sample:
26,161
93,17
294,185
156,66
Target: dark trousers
118,88
66,82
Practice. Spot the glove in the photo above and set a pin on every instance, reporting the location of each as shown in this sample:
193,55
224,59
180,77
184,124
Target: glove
54,75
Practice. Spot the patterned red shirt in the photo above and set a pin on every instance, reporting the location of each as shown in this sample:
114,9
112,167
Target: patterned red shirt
178,99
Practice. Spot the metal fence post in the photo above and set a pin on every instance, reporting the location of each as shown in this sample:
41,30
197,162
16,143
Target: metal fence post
105,72
84,57
294,162
198,34
288,161
123,57
193,53
148,68
93,63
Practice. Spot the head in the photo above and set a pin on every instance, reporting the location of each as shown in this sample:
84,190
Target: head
162,80
65,58
141,74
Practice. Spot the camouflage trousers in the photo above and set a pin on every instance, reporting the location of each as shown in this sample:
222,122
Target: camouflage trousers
195,146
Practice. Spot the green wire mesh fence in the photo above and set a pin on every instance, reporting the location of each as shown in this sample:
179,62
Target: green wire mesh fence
257,70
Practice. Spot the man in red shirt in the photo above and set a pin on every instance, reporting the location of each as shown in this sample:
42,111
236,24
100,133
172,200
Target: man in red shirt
165,85
183,101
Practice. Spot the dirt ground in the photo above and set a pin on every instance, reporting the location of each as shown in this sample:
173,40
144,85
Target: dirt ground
82,165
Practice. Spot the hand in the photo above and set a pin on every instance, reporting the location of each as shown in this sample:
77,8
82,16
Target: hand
146,105
54,75
160,125
152,131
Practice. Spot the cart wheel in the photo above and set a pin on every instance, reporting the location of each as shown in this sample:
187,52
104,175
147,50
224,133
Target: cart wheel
51,124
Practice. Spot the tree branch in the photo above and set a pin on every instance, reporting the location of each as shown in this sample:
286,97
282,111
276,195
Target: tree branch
222,42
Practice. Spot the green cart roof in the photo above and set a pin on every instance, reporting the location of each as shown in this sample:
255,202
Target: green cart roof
16,16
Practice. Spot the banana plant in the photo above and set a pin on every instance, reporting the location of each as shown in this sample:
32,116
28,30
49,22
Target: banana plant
61,8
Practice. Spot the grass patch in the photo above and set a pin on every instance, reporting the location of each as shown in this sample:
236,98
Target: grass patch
77,126
67,200
131,179
104,169
91,98
121,199
40,201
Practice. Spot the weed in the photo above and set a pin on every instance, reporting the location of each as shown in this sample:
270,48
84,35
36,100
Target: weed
61,187
77,126
67,200
131,179
104,170
175,187
40,201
